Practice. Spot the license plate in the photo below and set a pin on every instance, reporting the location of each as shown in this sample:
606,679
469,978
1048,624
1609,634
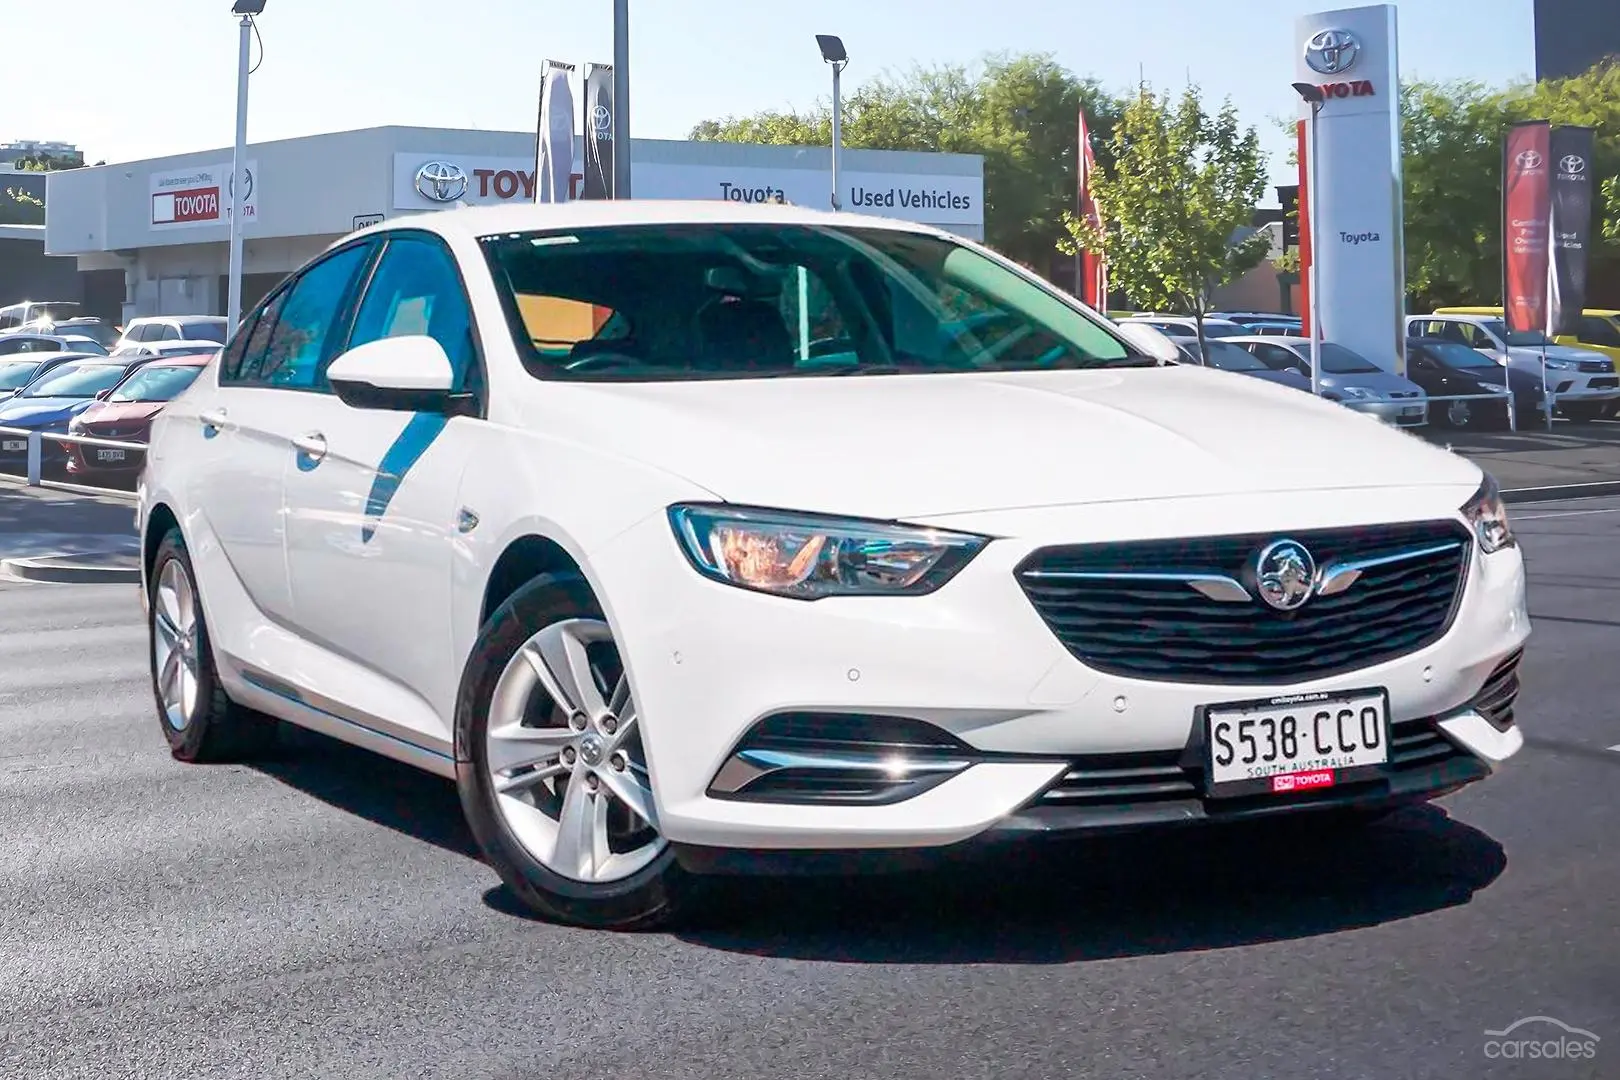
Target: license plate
1416,410
1296,743
14,444
105,454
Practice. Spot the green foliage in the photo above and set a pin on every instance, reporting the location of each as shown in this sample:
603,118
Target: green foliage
1019,112
1452,135
47,162
1181,185
17,207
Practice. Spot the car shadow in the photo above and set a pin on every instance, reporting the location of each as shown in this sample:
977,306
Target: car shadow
396,796
1106,899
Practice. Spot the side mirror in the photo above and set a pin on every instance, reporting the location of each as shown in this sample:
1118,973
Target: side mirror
409,373
1147,340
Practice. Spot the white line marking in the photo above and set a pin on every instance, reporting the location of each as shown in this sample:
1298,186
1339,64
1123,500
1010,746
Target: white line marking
1616,749
1560,514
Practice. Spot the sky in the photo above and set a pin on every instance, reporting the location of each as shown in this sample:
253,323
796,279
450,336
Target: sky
157,77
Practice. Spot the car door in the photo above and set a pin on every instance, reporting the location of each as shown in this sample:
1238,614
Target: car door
248,432
371,507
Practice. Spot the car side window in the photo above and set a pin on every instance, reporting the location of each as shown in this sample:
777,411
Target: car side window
294,348
416,289
171,332
258,341
1597,331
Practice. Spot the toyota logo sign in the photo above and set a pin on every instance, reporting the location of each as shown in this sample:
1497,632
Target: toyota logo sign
441,181
1528,160
601,119
1572,163
1332,52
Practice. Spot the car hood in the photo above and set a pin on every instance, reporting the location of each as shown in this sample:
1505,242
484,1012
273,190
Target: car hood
37,412
899,446
1554,352
1382,381
110,413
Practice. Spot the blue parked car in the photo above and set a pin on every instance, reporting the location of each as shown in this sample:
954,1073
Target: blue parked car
52,399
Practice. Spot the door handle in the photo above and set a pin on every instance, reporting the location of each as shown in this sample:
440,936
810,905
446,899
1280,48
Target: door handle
213,420
311,444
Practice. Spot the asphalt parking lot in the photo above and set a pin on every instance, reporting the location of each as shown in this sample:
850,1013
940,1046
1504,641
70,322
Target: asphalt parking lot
325,913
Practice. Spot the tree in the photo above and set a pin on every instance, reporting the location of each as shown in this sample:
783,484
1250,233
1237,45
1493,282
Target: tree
1611,201
1177,203
17,207
1019,112
1452,136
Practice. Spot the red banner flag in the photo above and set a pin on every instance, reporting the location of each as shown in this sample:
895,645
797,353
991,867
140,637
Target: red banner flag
1526,224
1091,287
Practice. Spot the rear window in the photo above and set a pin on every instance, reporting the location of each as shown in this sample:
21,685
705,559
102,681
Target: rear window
212,330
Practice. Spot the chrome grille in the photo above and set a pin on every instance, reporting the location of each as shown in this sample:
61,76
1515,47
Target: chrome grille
1185,610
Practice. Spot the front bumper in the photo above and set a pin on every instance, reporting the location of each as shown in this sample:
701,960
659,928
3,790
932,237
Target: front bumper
1402,412
976,660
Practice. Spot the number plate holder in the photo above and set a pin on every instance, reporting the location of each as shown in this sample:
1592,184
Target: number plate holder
1308,773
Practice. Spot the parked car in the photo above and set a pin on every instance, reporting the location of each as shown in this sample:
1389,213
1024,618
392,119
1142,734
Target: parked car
1184,326
20,369
168,348
1275,329
1599,331
1256,318
1223,355
1451,369
15,316
1569,370
105,334
52,400
1347,377
150,328
125,413
673,599
30,342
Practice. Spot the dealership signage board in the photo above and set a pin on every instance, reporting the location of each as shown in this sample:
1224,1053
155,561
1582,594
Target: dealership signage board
200,195
436,182
1356,210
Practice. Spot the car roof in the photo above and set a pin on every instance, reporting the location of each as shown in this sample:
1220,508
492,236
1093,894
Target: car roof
183,360
477,221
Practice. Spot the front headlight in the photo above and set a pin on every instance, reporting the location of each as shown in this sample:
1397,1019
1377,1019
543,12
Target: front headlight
809,557
1359,393
1562,365
1489,518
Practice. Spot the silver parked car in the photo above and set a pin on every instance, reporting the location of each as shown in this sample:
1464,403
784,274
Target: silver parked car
1222,355
1347,377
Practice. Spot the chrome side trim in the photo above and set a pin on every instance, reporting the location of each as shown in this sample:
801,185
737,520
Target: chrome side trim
1217,587
746,766
1337,577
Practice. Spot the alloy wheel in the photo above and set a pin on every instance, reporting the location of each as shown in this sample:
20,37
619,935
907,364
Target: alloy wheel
174,645
564,753
1459,413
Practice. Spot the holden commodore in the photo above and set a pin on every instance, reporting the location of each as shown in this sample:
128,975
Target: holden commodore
692,538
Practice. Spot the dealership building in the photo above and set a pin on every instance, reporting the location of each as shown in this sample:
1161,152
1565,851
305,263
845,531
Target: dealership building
165,222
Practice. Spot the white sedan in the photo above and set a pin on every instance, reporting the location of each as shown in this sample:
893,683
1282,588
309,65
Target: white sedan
681,535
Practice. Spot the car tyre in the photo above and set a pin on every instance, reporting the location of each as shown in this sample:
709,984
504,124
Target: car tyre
199,721
547,737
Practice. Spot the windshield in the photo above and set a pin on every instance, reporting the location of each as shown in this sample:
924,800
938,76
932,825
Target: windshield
1338,360
1518,337
1226,356
15,374
682,302
155,384
76,381
206,330
1454,355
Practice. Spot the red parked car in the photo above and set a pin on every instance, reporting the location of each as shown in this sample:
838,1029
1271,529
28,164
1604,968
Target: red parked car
125,413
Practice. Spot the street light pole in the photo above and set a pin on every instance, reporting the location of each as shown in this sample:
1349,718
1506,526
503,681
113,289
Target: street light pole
246,10
621,99
1314,97
833,52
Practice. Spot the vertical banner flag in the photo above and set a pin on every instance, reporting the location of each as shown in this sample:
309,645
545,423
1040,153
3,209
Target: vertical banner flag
1570,151
1092,285
554,152
598,132
1526,224
1307,265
